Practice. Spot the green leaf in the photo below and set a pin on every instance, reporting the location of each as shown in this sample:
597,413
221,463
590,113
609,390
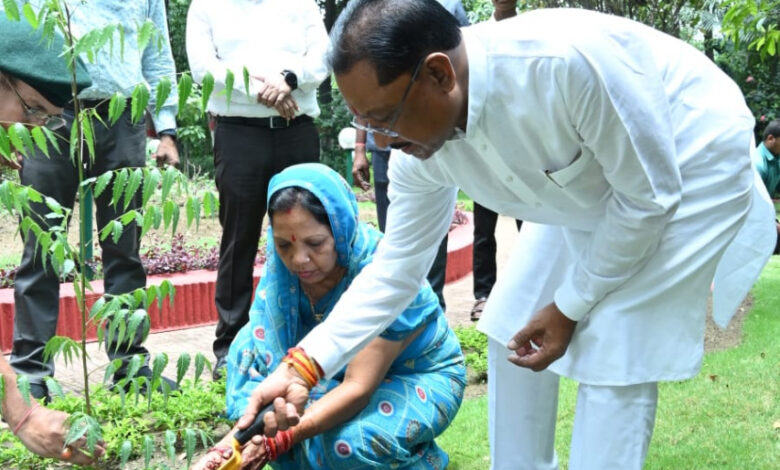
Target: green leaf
2,388
102,183
166,290
246,81
52,138
168,209
200,363
124,453
134,365
53,205
148,220
39,138
168,178
185,89
128,217
207,87
170,442
151,180
229,80
120,180
163,91
116,232
189,445
20,138
182,365
145,33
159,363
148,451
139,101
11,10
67,267
89,135
5,145
23,384
111,369
139,317
29,15
132,185
79,425
116,107
54,387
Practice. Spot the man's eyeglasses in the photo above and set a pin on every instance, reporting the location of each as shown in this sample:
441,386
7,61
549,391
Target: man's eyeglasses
388,131
35,115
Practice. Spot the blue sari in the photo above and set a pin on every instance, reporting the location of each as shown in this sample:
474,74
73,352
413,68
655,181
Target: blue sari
424,386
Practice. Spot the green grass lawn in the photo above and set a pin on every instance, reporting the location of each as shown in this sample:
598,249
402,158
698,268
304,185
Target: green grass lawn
727,417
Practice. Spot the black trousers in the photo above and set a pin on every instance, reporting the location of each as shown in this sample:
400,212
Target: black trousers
438,271
36,290
484,255
246,156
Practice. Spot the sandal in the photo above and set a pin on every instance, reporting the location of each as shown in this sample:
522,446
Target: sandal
476,310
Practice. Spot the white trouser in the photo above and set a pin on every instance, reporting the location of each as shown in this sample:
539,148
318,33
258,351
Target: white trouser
612,425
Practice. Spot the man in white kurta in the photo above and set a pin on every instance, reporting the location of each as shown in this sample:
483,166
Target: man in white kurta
630,153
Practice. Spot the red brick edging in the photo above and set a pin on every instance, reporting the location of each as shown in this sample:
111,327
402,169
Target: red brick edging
194,305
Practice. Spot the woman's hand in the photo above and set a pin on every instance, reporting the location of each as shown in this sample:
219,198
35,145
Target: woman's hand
291,394
253,455
43,433
214,458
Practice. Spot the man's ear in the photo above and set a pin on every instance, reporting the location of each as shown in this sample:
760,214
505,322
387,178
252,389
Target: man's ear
441,70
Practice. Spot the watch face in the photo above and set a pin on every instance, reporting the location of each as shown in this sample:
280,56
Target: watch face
290,78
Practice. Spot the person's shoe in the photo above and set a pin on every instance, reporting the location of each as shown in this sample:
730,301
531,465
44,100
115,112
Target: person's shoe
220,368
40,390
476,310
144,371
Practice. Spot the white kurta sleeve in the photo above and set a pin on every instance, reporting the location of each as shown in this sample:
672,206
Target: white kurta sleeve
312,68
418,217
620,110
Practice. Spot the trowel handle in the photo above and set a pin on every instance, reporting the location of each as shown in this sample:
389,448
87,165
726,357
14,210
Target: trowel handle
257,427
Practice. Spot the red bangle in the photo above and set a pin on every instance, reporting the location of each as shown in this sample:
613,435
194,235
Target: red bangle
26,416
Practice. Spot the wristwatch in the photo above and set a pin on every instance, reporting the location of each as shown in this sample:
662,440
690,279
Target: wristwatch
291,79
169,132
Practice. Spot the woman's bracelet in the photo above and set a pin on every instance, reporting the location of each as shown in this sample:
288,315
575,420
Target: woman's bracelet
304,365
276,446
26,416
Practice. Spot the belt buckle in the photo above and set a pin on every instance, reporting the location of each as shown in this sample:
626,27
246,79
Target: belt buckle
284,122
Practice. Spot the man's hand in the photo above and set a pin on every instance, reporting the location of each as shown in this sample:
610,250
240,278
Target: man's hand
272,90
167,152
44,434
287,107
360,172
14,163
543,340
289,393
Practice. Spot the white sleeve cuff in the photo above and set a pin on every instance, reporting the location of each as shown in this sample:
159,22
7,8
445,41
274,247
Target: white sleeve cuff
569,302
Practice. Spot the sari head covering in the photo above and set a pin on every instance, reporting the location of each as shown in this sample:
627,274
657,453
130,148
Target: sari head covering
281,314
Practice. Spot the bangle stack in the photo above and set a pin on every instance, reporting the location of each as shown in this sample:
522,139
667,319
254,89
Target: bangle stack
276,446
304,365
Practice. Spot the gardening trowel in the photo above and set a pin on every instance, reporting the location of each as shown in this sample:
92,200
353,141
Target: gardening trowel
243,436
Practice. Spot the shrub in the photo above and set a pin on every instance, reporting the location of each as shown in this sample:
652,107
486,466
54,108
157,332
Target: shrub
474,345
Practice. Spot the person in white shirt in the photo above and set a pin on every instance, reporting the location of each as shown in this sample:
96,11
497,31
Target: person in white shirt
637,187
282,45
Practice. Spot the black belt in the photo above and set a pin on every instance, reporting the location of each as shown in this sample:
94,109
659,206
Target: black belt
273,122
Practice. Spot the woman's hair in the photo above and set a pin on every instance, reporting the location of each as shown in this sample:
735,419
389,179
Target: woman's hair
287,198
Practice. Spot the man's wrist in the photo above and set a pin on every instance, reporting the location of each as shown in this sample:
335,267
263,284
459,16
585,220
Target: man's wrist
168,133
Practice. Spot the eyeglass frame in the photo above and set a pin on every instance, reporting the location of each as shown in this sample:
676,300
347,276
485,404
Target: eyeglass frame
388,131
49,121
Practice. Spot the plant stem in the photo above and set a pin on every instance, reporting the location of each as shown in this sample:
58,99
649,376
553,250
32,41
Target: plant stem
79,162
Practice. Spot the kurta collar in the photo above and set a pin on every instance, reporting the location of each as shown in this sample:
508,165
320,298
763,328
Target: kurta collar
477,57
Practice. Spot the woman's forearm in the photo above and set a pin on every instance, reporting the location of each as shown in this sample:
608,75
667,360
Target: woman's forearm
333,409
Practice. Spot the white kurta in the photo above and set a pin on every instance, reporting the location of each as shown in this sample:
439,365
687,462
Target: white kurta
629,142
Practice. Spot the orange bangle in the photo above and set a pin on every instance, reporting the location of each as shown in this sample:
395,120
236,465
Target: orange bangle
309,370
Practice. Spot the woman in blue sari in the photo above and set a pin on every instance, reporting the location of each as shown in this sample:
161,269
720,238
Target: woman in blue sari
387,406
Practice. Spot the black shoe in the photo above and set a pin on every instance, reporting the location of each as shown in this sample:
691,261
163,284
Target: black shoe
40,390
144,371
219,369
